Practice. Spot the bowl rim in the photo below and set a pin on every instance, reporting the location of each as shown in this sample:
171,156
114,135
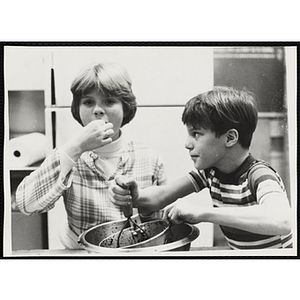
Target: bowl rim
153,249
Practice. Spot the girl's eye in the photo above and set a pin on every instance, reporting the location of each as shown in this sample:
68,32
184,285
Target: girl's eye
109,101
87,102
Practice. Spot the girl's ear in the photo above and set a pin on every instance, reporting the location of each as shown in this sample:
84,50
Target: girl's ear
232,137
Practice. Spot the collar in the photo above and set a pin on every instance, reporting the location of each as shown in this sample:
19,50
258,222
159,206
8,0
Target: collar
124,148
112,149
235,175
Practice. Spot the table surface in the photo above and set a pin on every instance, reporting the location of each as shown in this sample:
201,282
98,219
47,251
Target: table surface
215,252
194,251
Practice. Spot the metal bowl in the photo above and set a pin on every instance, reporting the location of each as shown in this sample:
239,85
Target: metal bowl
175,238
153,233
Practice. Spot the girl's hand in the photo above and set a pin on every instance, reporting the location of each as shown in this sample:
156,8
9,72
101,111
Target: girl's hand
123,190
183,211
94,135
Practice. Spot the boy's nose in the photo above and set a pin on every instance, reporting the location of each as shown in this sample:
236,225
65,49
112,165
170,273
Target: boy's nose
188,145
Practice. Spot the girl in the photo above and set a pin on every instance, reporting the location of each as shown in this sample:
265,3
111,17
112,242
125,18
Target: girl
80,170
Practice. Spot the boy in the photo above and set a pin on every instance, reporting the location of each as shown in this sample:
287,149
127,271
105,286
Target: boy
249,199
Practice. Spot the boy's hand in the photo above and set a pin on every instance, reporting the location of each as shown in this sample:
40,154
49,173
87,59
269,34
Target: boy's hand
182,211
123,190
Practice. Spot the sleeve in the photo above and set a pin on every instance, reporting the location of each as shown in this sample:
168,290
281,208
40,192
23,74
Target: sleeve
264,182
160,176
198,180
39,191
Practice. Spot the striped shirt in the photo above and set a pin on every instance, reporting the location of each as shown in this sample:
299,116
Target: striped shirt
85,188
249,185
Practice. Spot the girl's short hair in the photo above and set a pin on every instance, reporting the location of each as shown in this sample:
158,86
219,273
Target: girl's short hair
221,109
108,78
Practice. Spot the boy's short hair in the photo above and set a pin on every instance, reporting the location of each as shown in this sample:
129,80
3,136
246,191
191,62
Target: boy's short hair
221,109
108,78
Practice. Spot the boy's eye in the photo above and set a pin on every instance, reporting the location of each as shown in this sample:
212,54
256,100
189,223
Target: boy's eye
196,134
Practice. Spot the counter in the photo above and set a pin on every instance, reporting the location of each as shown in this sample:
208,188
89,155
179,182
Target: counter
219,251
196,251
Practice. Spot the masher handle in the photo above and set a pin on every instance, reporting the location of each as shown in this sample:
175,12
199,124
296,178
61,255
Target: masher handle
127,210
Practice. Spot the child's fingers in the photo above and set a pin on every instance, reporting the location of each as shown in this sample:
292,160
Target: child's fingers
127,185
126,182
174,215
120,191
107,134
106,141
118,194
121,181
102,124
166,212
120,197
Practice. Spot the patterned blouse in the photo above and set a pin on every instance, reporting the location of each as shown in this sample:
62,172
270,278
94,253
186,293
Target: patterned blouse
85,188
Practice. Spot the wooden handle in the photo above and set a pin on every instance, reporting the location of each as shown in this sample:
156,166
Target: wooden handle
127,210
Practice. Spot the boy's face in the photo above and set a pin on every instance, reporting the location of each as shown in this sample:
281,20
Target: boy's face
95,106
205,149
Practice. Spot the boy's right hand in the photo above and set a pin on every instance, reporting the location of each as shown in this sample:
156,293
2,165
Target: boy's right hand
123,190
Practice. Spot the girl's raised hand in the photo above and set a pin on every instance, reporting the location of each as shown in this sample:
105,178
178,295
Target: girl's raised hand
94,135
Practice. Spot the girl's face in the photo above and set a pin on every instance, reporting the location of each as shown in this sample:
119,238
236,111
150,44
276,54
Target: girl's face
205,149
95,106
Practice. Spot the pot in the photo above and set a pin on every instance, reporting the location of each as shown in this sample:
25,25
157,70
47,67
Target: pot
163,238
154,233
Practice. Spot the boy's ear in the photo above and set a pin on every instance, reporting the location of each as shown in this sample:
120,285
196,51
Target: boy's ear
232,137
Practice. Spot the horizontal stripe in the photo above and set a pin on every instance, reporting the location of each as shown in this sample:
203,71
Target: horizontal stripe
240,235
236,195
268,187
217,203
227,193
272,242
228,199
258,245
226,186
198,180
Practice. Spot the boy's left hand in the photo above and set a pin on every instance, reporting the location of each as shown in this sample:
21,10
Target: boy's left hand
182,211
123,190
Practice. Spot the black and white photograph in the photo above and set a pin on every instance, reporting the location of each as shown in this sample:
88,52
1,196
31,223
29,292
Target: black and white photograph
182,150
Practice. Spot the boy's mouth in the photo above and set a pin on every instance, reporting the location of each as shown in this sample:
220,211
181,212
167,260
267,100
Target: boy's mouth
194,157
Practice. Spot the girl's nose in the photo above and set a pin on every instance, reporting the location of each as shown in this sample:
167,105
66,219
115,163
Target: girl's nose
98,111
